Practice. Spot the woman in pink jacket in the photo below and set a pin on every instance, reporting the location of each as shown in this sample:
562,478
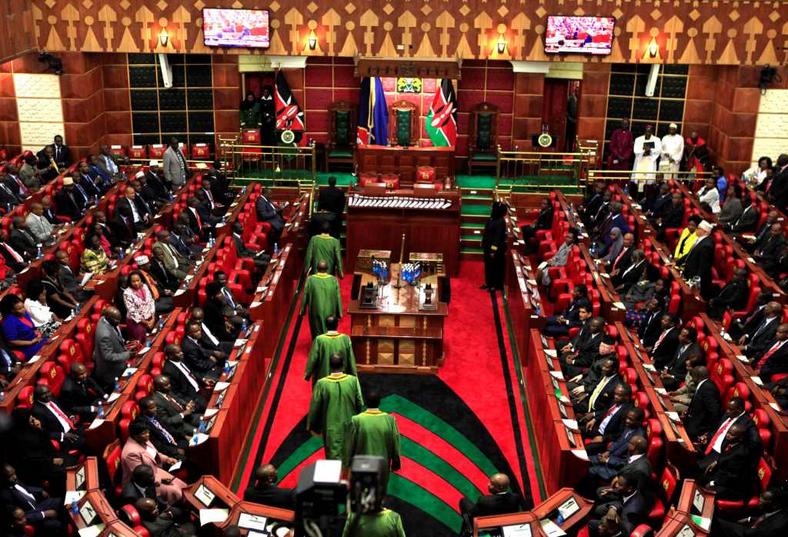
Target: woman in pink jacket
139,450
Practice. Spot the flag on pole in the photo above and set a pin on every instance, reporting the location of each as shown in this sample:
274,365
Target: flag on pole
289,115
441,122
373,115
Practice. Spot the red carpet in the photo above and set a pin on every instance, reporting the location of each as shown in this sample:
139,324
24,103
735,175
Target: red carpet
472,370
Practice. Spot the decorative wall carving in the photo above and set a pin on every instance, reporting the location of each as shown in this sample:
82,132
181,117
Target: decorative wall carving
40,109
733,32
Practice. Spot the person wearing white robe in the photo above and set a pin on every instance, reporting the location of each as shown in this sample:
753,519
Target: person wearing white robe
709,194
672,152
646,158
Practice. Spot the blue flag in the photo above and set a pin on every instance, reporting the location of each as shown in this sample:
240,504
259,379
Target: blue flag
373,113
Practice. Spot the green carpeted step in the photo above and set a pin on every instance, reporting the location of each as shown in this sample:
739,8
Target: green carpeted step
471,250
472,225
475,199
475,210
475,181
472,237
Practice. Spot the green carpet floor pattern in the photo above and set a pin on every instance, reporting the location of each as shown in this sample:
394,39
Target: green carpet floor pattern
455,462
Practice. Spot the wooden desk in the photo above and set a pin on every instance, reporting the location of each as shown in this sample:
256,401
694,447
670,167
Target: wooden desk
92,509
426,230
246,514
83,477
501,521
548,509
118,529
210,493
396,336
694,501
404,161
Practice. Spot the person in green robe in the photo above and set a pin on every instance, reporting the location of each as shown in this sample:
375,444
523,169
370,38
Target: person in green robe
384,523
321,296
250,112
374,432
335,400
326,345
324,247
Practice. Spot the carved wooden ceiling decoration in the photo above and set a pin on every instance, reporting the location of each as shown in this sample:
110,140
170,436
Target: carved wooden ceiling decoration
686,31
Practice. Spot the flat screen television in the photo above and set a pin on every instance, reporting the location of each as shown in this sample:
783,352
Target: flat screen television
579,35
244,28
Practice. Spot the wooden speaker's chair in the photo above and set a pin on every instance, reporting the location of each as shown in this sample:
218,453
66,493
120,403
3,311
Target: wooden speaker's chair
341,134
482,152
403,123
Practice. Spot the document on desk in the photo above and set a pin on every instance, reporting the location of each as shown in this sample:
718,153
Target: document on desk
91,531
517,530
86,278
213,515
551,528
252,522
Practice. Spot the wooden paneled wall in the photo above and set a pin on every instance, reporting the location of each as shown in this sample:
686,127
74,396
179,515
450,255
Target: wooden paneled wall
16,28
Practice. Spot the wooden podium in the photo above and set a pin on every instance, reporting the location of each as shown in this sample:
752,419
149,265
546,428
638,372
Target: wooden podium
396,335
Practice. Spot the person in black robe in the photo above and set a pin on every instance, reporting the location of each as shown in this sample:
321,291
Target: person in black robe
494,248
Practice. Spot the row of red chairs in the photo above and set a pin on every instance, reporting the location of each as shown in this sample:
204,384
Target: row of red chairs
156,151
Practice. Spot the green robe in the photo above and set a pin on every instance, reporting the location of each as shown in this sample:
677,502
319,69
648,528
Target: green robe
323,347
374,432
321,295
326,248
386,523
335,400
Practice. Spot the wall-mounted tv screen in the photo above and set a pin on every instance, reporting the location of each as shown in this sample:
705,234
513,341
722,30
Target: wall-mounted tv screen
246,28
579,35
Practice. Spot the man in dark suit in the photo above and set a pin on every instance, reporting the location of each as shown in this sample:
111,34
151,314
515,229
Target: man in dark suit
673,372
49,213
651,326
703,412
61,153
732,475
268,212
631,274
141,485
263,489
40,510
205,209
578,355
604,426
772,520
182,243
173,412
260,259
216,204
745,325
197,226
700,259
332,200
68,279
748,219
122,226
48,168
54,420
660,203
80,395
595,397
22,240
198,355
602,211
774,360
168,440
713,444
622,499
186,384
500,501
8,195
624,258
14,259
140,216
733,296
91,186
755,342
673,215
574,316
69,201
152,190
16,185
158,523
608,463
664,347
768,253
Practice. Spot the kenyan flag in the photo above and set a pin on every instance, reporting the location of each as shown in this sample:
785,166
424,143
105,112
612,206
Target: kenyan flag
441,122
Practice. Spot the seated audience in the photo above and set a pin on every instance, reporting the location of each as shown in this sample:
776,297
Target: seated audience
558,259
731,475
686,240
38,226
682,396
263,489
710,195
260,259
772,518
201,357
173,411
65,277
122,227
733,296
672,373
186,384
595,394
774,361
582,350
44,513
54,421
618,450
37,308
160,523
759,337
734,414
731,210
607,423
168,439
767,253
223,333
663,349
31,450
619,263
137,450
632,274
500,501
182,241
747,220
29,173
622,499
13,259
544,221
22,240
70,202
174,263
80,395
238,310
744,325
267,211
648,319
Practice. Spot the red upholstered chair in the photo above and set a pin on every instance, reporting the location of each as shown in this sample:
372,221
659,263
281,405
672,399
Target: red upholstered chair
642,530
138,152
739,506
85,338
655,442
156,151
129,515
118,151
25,397
201,152
669,481
54,376
111,458
763,423
251,137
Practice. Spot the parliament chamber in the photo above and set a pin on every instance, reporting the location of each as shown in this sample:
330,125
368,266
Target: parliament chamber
474,268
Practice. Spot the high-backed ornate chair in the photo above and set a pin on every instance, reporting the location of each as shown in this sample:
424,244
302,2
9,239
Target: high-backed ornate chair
403,123
482,152
341,134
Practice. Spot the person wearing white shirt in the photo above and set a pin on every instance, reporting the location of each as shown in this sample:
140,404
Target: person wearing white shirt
672,151
733,412
647,151
755,175
710,195
36,305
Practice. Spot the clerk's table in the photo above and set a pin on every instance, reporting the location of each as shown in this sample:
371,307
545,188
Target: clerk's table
396,335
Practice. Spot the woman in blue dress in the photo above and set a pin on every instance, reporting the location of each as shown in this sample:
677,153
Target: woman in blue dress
18,328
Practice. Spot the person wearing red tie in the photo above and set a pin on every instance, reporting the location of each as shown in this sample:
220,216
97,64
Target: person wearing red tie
771,520
733,474
59,425
775,360
734,414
